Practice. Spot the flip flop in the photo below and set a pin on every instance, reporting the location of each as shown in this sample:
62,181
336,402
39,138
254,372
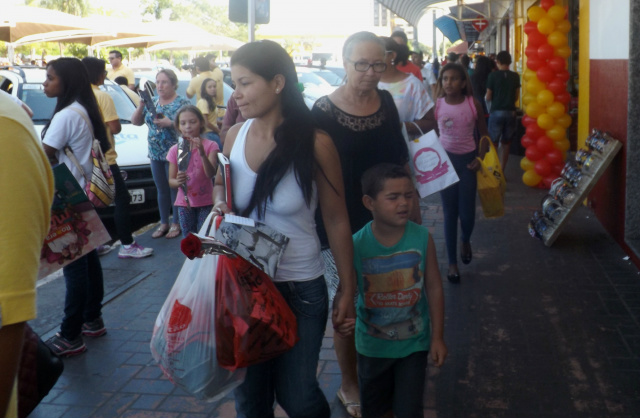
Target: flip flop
173,232
159,233
353,408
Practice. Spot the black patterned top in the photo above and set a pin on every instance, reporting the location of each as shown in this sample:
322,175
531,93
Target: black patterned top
362,142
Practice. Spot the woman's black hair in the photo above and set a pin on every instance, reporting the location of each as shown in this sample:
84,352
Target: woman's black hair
294,137
206,96
76,87
402,51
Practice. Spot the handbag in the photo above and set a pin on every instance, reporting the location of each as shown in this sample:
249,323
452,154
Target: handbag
491,182
184,338
38,372
100,187
430,164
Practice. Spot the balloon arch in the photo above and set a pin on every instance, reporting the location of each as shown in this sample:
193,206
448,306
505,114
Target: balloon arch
546,98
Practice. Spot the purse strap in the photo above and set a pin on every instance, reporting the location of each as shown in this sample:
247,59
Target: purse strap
69,152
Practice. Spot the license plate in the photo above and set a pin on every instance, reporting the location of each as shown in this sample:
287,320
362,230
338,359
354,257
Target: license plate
137,196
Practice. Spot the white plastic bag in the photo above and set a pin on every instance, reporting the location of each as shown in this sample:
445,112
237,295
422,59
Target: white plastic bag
183,340
430,164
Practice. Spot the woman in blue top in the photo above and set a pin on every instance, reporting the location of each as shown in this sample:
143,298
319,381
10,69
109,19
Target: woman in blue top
162,136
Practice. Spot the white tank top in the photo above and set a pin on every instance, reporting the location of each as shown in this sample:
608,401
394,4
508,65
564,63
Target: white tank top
287,213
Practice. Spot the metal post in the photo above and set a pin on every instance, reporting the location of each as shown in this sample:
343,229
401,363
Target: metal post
251,19
434,50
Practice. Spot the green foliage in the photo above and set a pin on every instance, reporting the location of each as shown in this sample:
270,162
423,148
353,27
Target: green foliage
76,50
72,7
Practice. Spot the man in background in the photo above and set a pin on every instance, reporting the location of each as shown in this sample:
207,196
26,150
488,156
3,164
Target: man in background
119,69
410,68
122,216
428,78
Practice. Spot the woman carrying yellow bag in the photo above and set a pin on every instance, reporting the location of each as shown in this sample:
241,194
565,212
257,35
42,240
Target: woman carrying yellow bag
458,114
491,181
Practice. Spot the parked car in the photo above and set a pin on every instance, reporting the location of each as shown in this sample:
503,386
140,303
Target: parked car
330,77
131,143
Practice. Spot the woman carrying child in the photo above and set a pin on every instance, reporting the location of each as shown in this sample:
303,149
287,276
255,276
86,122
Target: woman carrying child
200,170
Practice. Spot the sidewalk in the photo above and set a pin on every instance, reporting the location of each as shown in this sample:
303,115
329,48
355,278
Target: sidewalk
532,331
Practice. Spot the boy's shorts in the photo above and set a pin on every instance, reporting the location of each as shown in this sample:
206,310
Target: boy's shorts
392,384
503,125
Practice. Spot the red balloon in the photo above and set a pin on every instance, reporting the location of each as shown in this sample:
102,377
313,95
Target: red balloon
530,26
531,51
536,38
544,145
528,120
533,154
563,75
554,156
557,64
564,97
546,4
543,168
535,63
526,142
557,169
546,181
556,87
534,131
545,74
545,51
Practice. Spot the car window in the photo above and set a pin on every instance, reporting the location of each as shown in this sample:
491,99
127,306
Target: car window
331,77
306,78
42,106
124,105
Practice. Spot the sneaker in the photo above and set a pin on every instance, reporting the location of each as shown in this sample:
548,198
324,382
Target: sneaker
104,249
94,328
135,250
63,347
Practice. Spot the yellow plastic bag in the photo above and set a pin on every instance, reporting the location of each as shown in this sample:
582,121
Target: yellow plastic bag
491,183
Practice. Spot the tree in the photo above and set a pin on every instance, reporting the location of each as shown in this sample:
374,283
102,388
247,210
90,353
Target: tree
72,7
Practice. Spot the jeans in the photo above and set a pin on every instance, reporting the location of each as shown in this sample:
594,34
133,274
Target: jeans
166,195
392,384
502,126
213,137
459,202
85,290
191,220
121,215
291,378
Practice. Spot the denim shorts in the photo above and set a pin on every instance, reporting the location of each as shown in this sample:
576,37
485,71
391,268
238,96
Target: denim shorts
503,126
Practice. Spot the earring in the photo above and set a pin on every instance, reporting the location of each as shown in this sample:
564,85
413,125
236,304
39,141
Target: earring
277,91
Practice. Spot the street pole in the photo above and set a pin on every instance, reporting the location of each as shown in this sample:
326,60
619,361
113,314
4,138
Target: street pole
251,19
435,44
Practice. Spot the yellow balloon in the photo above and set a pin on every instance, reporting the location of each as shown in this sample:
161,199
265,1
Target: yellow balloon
528,75
534,109
526,165
563,26
531,178
535,13
544,97
557,39
555,109
535,86
546,25
528,98
556,13
556,132
545,121
562,144
564,121
563,51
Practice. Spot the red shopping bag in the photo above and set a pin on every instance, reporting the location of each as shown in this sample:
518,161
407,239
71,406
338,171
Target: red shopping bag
253,321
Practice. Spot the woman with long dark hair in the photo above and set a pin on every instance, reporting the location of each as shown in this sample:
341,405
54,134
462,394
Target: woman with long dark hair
76,120
282,169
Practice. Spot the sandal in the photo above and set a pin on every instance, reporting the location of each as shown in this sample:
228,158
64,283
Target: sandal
160,232
173,232
353,408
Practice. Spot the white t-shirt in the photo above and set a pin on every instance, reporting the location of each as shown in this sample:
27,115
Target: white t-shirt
68,128
411,98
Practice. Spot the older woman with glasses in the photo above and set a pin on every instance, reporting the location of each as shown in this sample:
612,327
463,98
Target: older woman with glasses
364,125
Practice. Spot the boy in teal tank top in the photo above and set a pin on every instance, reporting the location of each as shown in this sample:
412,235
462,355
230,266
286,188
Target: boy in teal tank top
400,306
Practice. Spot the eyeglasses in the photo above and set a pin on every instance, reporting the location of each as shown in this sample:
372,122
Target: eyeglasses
363,66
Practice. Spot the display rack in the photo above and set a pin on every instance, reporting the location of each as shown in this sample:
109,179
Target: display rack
587,183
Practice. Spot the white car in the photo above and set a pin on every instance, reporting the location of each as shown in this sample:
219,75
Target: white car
131,143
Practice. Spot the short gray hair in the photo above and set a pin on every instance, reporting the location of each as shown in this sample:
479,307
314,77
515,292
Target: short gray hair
360,37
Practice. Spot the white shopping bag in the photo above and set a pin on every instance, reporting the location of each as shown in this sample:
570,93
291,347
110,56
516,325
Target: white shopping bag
430,164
